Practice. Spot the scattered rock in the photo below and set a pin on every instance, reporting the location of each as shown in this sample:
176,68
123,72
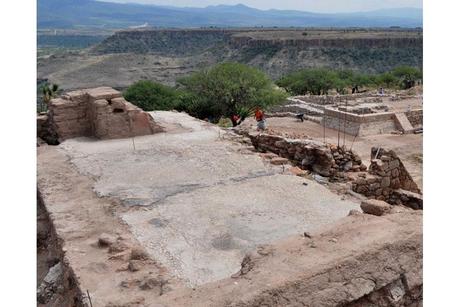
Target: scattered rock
138,254
106,240
50,284
134,265
297,171
307,235
320,179
375,207
154,283
354,212
117,247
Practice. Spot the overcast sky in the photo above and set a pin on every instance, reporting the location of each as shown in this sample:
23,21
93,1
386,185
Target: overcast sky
326,6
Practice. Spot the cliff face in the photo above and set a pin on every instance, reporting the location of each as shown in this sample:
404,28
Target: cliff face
189,41
277,51
167,54
396,42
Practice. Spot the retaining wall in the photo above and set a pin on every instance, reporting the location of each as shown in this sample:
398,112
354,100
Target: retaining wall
361,125
415,117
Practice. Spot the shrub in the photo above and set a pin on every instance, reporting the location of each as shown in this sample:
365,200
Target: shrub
151,96
225,88
313,81
407,75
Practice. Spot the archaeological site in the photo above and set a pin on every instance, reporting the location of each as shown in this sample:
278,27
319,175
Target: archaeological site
163,209
217,154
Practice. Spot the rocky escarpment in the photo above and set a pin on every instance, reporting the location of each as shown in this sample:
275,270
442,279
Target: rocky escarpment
178,42
168,54
277,51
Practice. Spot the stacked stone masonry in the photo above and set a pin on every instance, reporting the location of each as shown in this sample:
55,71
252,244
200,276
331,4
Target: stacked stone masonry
100,112
415,117
324,159
388,180
359,125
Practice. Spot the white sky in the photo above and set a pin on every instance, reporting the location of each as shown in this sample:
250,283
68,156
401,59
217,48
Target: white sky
326,6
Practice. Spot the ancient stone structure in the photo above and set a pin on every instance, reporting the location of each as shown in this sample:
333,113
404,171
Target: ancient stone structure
387,179
335,99
324,159
100,112
415,117
372,123
360,125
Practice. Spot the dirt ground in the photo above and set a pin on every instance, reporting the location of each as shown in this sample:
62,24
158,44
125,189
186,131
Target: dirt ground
409,147
191,200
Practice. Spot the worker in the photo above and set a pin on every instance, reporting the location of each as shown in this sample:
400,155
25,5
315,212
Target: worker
236,120
260,118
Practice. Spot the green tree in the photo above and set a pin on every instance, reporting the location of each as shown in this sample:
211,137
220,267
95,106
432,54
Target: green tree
407,75
49,91
151,96
226,88
387,79
314,81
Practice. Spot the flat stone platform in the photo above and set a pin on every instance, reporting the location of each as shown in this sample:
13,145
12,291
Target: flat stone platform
196,201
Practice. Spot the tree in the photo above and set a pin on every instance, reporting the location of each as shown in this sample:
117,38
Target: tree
49,91
151,96
226,88
407,75
313,81
387,79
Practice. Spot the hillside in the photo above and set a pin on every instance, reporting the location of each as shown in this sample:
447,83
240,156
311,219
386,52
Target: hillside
164,55
95,14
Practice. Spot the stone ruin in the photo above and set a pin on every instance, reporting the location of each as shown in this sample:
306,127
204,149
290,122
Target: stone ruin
372,123
324,159
388,180
98,112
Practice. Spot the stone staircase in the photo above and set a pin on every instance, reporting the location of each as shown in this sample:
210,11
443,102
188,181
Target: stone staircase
403,124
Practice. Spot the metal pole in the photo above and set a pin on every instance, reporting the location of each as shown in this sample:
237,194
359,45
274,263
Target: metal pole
89,298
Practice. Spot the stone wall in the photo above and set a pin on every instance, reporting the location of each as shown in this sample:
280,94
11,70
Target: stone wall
100,112
335,99
387,179
415,117
361,125
324,159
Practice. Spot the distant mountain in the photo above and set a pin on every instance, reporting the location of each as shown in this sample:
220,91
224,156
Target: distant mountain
90,13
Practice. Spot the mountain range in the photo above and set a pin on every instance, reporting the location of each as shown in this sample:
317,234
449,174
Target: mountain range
97,14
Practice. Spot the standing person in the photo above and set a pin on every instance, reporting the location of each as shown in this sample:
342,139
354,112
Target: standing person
260,118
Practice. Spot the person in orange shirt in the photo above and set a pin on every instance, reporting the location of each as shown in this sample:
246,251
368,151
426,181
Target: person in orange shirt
260,118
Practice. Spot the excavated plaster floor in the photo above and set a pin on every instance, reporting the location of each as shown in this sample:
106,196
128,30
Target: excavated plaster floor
197,201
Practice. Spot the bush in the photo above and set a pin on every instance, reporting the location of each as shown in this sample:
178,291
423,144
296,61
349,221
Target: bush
407,75
226,88
320,81
151,96
313,81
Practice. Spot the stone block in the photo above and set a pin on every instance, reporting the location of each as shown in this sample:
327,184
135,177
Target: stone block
279,161
375,207
385,182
